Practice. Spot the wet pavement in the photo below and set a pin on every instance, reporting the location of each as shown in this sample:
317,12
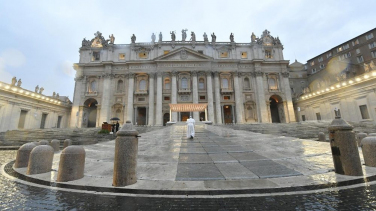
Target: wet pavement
16,196
216,160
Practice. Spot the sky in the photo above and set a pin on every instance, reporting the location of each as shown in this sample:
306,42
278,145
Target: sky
40,40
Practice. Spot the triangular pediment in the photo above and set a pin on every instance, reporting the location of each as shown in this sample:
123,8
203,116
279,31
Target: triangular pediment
182,54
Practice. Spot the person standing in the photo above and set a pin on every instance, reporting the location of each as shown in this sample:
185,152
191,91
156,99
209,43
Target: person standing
190,127
117,126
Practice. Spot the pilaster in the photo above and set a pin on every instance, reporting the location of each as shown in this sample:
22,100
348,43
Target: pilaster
262,110
196,115
218,110
151,99
130,97
209,89
173,94
238,100
158,110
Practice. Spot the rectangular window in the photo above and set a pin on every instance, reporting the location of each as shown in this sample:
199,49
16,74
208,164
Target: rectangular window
166,52
318,116
202,97
303,118
339,49
96,56
201,52
143,55
312,63
348,55
223,54
166,98
357,51
43,121
369,36
141,99
360,59
320,59
329,55
322,66
313,70
226,97
364,111
268,54
372,45
244,55
346,46
373,53
121,56
355,42
59,121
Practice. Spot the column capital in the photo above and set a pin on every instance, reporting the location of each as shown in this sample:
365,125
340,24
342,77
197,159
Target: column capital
130,75
194,73
216,73
285,74
208,73
159,74
257,73
174,73
151,74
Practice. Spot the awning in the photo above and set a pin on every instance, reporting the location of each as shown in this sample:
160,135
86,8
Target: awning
188,107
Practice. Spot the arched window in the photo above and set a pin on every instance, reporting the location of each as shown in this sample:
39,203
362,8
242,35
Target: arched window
118,113
272,84
201,83
167,83
224,83
142,85
93,86
120,86
184,83
246,83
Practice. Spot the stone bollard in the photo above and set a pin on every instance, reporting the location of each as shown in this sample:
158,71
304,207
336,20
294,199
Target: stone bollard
126,149
72,164
344,150
43,142
55,144
36,143
368,145
40,160
322,137
67,142
23,153
359,137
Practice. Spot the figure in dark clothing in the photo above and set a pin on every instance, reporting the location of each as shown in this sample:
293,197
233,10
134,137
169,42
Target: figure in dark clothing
117,126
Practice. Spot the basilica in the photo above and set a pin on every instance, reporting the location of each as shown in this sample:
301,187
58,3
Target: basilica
161,81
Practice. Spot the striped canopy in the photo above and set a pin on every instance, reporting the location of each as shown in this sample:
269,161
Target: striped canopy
188,107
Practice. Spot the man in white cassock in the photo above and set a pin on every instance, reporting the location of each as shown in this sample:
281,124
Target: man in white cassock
190,127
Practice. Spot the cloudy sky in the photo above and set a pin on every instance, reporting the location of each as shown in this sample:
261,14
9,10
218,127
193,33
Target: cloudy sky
39,40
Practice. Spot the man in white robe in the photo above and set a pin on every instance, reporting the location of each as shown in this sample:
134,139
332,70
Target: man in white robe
190,128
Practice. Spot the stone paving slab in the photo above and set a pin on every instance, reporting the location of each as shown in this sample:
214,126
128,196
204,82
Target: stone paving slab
218,158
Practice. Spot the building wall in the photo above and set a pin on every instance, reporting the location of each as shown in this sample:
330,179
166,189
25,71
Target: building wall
258,63
14,100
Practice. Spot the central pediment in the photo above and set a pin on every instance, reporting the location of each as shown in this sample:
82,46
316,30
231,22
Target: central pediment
183,54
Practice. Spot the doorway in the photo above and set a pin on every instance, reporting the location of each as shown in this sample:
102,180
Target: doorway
227,114
184,116
91,105
43,121
202,116
141,116
276,109
21,121
166,118
59,121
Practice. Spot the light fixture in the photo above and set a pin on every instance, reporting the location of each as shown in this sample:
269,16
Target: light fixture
43,98
344,84
327,89
14,89
332,87
351,82
59,102
338,86
310,95
373,74
27,93
33,94
314,94
38,96
323,90
358,79
7,87
21,91
366,76
318,92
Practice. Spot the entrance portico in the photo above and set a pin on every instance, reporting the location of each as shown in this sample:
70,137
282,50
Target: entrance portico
188,108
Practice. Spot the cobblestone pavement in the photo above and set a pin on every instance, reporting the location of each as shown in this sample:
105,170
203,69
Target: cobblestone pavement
16,196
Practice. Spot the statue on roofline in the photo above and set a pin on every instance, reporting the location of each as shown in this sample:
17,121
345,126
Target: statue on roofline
173,36
112,39
232,37
206,37
153,38
133,38
214,38
253,37
160,37
184,34
41,90
19,82
14,81
193,37
37,89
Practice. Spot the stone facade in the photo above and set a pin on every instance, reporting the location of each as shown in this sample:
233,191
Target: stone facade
342,78
240,82
25,109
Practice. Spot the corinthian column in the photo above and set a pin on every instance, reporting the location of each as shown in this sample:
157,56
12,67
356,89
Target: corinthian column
262,110
238,99
217,87
195,94
158,110
287,90
105,103
151,99
130,97
174,115
209,89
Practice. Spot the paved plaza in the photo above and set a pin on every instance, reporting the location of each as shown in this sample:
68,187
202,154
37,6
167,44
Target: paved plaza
220,169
